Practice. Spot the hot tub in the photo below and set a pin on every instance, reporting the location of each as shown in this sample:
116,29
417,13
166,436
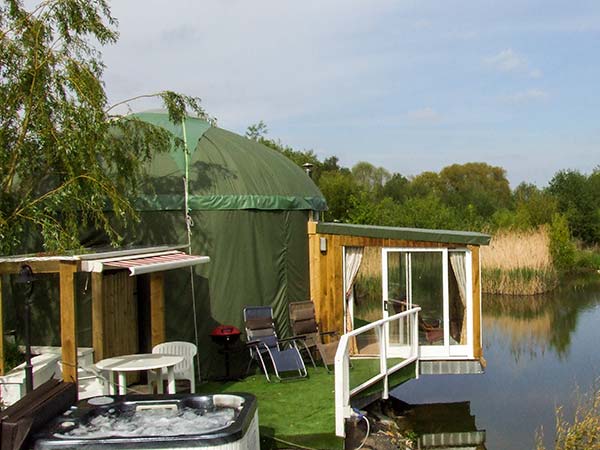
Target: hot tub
180,421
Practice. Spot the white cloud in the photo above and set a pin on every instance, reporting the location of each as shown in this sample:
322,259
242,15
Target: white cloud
509,61
535,73
528,96
506,61
426,114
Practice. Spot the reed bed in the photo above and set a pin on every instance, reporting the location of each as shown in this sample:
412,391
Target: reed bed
518,263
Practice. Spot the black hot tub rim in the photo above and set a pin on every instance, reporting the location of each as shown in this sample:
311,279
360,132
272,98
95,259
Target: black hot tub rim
83,410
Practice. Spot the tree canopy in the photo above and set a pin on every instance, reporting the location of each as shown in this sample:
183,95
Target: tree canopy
65,157
473,196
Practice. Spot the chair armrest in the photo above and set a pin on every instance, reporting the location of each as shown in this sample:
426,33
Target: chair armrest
300,337
256,345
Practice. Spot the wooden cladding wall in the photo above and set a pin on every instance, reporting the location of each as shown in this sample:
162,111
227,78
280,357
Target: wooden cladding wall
115,315
326,276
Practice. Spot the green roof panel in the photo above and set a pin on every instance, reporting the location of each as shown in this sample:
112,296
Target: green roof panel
405,234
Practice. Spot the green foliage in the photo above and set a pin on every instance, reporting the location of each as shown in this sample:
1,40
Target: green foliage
480,185
562,247
339,189
427,212
578,198
587,259
12,356
64,158
366,211
257,131
471,196
369,177
397,188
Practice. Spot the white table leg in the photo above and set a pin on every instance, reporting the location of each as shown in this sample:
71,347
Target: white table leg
171,378
159,381
122,383
111,383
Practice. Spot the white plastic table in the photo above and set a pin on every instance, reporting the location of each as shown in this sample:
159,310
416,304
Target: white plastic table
144,361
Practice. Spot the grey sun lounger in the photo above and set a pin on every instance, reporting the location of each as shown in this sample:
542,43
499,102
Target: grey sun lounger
263,343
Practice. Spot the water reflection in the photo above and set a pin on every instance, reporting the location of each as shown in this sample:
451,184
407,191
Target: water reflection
539,352
532,325
442,426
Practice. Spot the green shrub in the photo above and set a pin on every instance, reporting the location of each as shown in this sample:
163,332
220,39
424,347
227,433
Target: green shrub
587,259
562,247
12,356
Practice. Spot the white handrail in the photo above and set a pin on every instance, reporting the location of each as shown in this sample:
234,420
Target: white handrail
342,363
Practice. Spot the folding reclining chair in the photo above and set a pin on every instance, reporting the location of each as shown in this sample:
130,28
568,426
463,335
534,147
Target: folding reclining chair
263,342
304,323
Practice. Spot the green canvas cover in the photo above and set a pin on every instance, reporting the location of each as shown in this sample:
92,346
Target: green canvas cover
249,206
227,172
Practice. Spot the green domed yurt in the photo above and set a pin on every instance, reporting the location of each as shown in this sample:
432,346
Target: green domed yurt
249,206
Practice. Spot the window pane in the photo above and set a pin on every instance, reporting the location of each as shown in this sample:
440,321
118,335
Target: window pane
427,292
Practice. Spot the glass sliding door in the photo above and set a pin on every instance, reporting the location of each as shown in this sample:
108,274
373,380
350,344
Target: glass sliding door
438,281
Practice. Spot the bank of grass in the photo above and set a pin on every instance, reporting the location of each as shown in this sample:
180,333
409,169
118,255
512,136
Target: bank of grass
587,258
518,263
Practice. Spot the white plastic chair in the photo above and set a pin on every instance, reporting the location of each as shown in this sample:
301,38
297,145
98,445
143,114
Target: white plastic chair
185,369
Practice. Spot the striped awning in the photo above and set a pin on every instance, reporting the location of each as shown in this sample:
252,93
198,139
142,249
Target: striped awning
145,263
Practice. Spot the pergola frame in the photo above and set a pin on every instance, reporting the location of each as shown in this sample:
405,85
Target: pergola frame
67,266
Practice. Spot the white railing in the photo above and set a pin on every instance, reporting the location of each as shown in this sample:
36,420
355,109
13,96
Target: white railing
401,343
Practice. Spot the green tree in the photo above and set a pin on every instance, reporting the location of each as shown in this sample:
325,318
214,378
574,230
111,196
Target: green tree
370,177
385,212
533,206
480,185
64,158
257,131
562,248
397,188
339,189
578,202
428,212
424,184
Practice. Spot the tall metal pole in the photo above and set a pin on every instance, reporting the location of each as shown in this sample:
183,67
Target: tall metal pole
26,277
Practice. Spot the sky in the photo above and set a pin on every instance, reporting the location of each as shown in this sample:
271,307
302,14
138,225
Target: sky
411,86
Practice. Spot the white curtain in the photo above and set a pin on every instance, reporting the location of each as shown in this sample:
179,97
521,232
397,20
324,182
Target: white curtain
353,259
457,261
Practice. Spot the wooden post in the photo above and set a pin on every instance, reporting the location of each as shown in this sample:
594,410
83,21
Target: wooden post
1,331
476,267
68,326
98,328
314,266
157,308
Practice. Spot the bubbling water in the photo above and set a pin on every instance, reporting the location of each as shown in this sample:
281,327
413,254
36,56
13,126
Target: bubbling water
152,422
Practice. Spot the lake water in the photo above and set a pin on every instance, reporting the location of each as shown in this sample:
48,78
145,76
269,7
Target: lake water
539,351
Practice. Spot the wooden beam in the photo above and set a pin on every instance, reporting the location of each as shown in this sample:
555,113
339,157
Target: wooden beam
157,308
68,322
36,266
98,317
1,331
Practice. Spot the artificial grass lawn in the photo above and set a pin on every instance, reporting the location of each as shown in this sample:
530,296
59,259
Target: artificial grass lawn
300,412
